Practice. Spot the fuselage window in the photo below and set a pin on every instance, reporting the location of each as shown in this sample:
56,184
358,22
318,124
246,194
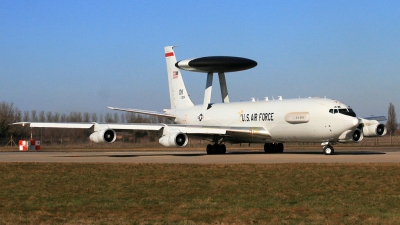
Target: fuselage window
331,111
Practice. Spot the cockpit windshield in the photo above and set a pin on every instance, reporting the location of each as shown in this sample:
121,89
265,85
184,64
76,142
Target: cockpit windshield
345,111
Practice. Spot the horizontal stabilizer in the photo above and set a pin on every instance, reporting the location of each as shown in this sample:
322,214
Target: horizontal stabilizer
146,112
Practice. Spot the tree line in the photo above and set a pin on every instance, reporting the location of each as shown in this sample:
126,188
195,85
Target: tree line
9,114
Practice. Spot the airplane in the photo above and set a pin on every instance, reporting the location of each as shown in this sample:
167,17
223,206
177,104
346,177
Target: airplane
272,122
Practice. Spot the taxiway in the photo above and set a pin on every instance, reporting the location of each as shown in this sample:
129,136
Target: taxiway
196,157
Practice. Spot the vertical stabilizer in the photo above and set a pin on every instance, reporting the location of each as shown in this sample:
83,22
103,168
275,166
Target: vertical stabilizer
177,90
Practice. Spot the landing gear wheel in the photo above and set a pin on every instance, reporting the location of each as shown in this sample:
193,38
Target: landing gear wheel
216,149
273,147
267,148
328,150
223,149
279,148
209,149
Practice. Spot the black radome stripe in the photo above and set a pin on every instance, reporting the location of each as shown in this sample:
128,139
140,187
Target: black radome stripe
221,64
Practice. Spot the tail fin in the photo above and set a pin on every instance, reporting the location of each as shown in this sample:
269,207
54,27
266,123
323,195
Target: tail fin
177,90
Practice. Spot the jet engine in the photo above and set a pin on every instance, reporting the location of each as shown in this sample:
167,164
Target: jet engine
106,135
174,139
351,136
374,130
357,135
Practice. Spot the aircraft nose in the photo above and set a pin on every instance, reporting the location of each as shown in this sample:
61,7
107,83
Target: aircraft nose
351,123
355,121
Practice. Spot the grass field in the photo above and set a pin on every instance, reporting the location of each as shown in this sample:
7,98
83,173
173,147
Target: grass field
54,193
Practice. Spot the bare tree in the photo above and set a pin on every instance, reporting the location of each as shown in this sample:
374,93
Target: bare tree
56,117
391,123
86,117
116,118
8,115
34,116
74,117
94,117
63,118
26,116
122,118
49,117
108,118
42,118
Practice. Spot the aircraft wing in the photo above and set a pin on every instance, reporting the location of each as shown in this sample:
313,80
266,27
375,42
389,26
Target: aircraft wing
146,112
55,125
189,129
115,126
377,118
195,130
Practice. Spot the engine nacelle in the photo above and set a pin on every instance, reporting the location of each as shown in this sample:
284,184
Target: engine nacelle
176,139
351,136
374,130
101,136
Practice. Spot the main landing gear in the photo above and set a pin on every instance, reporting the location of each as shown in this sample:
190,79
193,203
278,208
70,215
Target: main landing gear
328,149
273,147
216,149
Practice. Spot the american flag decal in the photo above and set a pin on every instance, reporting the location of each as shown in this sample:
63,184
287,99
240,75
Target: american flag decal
174,74
168,54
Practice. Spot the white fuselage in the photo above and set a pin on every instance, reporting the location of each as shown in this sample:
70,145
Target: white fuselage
292,120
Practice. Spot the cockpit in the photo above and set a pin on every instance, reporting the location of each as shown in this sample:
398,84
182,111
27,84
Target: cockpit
346,111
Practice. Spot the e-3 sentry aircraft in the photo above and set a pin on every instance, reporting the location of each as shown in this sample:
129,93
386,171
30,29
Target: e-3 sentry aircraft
273,123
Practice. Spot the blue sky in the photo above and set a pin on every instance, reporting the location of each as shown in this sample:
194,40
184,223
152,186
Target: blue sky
65,56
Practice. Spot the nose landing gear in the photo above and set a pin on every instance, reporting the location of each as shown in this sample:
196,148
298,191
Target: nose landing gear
328,149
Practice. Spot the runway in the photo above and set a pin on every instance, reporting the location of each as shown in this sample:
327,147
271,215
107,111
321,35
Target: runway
197,157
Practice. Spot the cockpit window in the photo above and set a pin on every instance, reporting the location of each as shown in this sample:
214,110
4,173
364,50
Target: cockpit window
344,111
348,112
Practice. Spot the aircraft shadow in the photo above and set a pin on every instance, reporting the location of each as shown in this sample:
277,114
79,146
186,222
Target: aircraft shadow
339,153
233,153
157,155
254,153
311,153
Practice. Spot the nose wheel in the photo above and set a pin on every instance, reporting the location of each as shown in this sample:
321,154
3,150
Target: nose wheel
328,150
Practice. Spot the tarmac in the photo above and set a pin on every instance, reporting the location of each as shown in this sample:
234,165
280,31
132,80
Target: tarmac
380,155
